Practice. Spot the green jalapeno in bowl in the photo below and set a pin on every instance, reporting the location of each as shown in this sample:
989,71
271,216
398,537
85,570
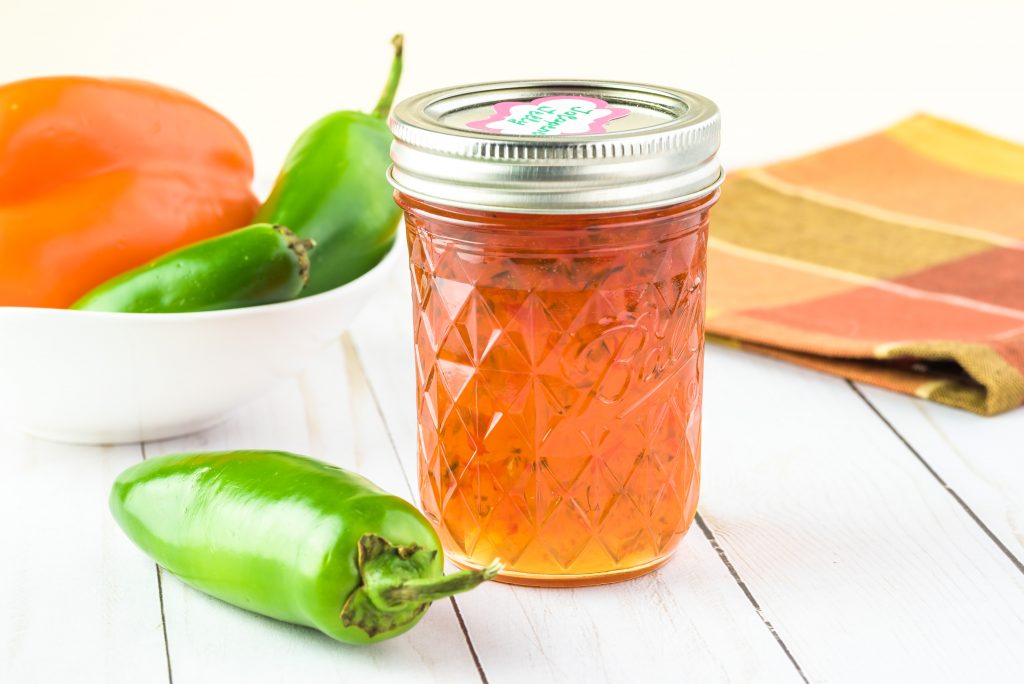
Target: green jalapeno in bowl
260,264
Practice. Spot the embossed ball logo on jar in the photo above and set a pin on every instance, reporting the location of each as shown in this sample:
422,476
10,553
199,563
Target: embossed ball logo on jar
606,354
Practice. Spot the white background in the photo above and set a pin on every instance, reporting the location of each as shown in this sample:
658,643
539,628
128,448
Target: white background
789,75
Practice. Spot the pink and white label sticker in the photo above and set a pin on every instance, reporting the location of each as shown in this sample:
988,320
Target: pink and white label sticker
554,115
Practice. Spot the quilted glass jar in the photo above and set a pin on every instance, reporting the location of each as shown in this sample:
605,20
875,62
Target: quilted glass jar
557,240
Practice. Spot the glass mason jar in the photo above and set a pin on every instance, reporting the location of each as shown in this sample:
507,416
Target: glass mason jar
557,239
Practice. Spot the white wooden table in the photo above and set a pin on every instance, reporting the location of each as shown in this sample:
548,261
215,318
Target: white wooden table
845,534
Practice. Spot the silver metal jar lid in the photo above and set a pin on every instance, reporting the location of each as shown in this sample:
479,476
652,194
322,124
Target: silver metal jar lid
554,147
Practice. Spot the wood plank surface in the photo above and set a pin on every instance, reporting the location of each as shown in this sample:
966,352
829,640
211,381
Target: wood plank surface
865,565
979,460
78,603
846,535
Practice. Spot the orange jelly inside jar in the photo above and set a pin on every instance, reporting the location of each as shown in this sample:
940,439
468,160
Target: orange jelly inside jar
559,368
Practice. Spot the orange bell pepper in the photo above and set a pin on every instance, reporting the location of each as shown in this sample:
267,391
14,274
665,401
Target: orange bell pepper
99,176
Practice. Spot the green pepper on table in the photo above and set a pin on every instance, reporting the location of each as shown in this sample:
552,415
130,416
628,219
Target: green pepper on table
291,538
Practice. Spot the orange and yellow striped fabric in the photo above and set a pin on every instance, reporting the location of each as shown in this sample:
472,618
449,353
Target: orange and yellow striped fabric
896,259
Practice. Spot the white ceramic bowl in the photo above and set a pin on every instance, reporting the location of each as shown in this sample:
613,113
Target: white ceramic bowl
104,378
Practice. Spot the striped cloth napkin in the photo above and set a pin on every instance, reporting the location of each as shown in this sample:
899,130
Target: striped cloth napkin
896,259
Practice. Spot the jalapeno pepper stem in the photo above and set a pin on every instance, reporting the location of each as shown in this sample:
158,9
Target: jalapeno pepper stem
394,590
388,96
300,247
426,590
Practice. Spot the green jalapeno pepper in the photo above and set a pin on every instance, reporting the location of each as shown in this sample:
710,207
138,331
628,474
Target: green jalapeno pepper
260,264
289,537
333,189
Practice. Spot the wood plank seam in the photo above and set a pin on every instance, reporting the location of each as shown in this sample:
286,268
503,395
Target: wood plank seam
350,347
710,536
163,622
1017,563
160,593
469,641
